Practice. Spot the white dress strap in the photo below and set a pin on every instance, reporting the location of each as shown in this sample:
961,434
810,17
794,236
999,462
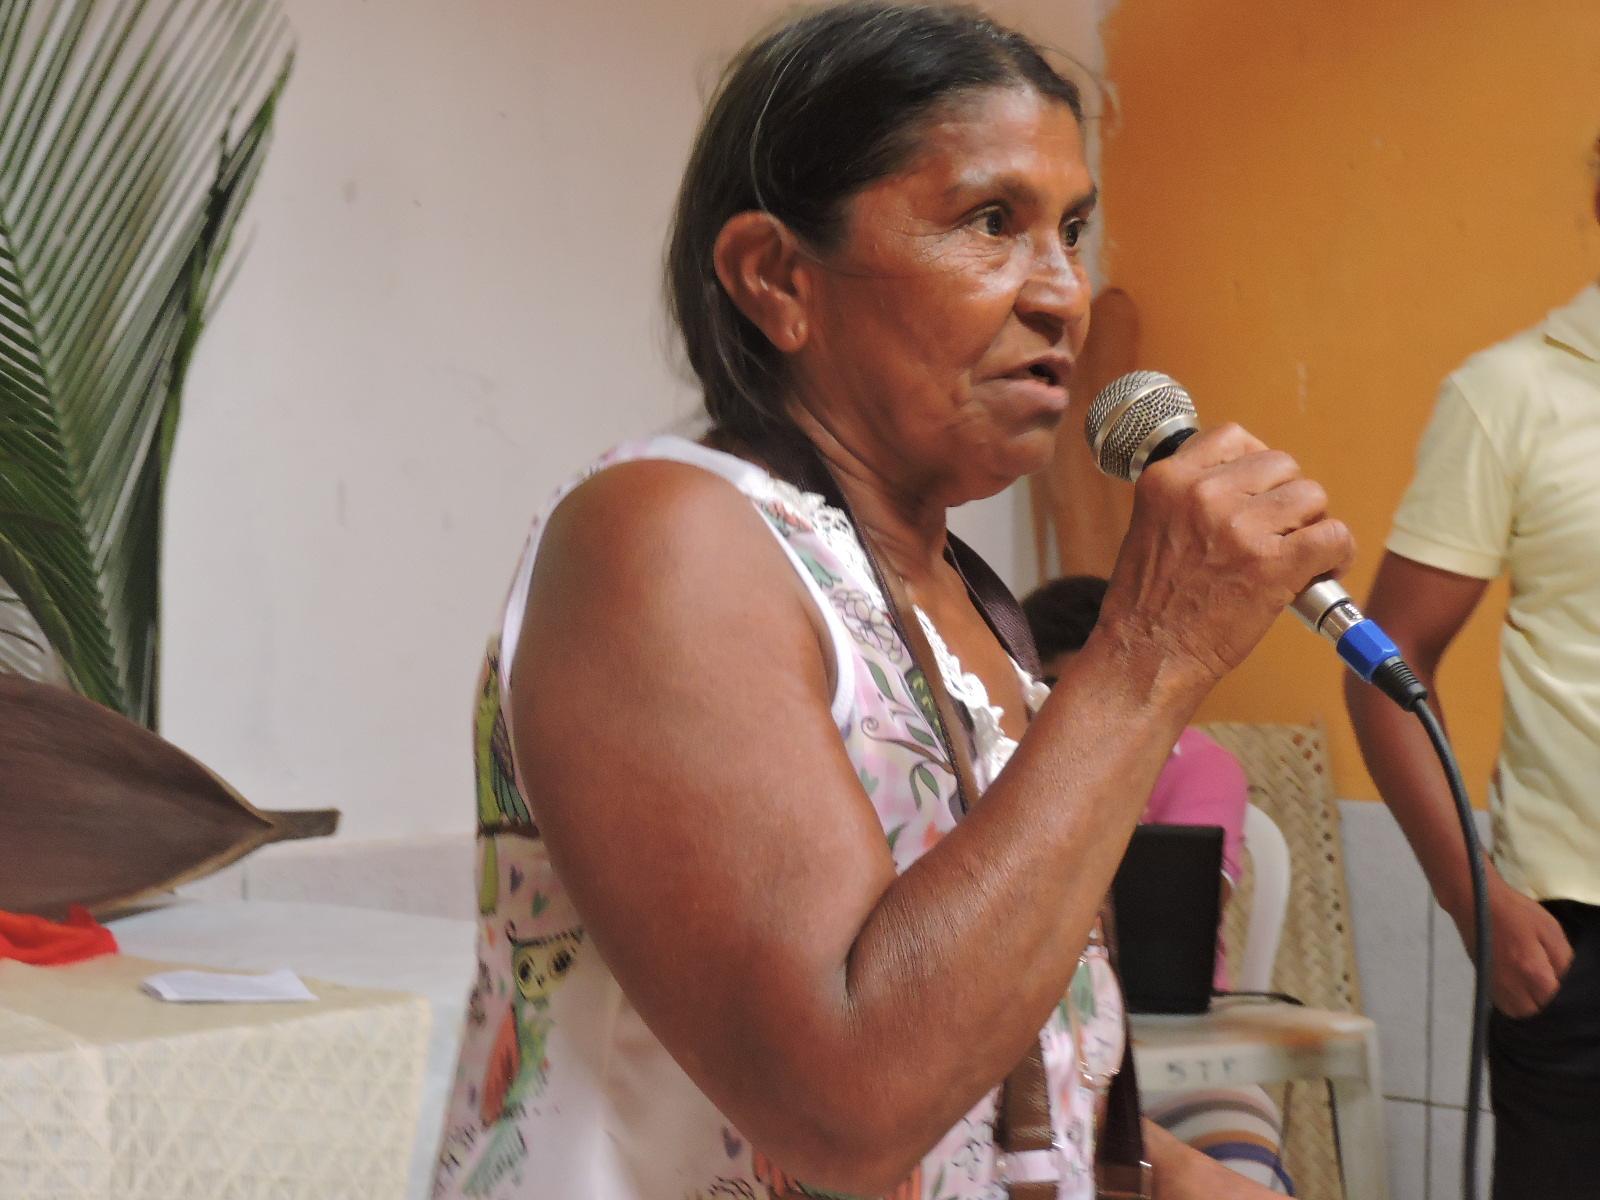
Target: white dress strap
750,479
993,748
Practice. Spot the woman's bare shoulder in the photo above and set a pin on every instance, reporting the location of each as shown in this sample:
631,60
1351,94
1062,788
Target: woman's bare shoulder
655,559
660,517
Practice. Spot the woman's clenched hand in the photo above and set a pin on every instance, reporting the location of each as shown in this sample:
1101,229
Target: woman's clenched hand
1224,534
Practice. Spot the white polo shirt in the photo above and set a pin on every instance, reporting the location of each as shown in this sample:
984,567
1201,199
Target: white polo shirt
1508,479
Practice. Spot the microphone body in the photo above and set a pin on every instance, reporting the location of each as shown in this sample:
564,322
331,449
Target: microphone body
1145,416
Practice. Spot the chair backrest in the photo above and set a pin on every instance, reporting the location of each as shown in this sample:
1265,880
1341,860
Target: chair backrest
1286,767
1269,900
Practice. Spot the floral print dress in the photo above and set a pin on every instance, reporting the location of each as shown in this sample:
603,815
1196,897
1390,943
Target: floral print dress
561,1091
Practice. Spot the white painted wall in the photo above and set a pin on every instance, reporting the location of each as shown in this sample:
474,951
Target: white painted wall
450,303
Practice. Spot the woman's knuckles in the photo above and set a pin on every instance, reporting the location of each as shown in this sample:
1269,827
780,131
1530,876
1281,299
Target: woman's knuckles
1231,435
1288,463
1222,554
1241,530
1214,492
1303,496
1336,542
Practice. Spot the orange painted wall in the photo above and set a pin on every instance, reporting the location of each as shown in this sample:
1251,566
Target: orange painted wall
1320,210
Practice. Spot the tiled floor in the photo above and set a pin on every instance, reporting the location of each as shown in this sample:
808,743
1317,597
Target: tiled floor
1407,1122
1416,982
1445,1157
1389,905
1452,1015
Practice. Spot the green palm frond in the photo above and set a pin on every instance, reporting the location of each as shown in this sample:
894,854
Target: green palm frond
131,134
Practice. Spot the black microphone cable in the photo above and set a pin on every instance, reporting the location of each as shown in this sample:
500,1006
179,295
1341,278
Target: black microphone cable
1402,686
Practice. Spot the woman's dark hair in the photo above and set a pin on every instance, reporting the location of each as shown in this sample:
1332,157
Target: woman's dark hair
1063,612
803,119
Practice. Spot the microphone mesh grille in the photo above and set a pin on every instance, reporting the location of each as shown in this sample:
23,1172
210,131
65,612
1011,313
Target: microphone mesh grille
1137,402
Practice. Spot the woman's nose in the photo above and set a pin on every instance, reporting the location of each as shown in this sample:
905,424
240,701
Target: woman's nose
1056,291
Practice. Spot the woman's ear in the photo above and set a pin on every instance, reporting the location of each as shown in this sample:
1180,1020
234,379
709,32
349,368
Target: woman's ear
763,269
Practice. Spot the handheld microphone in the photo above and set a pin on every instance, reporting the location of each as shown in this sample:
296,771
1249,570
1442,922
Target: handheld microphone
1143,417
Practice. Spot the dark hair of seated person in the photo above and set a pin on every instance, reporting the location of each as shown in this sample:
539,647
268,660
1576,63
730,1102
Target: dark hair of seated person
1063,612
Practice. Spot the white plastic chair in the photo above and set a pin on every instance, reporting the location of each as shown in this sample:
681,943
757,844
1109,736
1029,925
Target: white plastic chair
1269,859
1252,1042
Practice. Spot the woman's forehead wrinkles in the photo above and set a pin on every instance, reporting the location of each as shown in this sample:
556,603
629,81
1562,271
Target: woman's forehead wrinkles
985,157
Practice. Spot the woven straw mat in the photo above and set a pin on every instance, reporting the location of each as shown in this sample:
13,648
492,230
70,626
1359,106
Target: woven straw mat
1287,770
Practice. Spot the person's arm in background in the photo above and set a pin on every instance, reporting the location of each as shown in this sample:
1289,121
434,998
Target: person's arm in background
1183,1173
1423,608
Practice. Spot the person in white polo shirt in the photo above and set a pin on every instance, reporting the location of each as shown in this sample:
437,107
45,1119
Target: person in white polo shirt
1508,482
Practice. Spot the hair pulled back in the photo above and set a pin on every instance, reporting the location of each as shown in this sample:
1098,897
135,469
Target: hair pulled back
804,118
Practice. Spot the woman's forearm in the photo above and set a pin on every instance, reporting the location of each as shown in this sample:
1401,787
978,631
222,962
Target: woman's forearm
976,943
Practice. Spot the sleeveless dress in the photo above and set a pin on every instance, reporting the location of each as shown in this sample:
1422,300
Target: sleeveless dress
561,1091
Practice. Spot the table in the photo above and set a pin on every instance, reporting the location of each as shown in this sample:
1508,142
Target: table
430,957
1244,1042
109,1094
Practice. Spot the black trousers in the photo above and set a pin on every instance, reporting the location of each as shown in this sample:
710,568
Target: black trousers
1544,1079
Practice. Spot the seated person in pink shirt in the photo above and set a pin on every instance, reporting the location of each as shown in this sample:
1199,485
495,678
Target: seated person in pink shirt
1202,784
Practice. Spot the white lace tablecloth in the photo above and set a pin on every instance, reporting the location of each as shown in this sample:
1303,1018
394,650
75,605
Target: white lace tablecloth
109,1094
432,957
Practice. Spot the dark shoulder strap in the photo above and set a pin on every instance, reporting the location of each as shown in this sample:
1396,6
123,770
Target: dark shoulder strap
998,606
1024,1102
1122,1170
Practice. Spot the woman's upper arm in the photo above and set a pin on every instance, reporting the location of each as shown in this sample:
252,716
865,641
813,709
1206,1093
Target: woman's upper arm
672,724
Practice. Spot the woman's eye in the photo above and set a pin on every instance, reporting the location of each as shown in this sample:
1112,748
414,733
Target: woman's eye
1072,232
992,221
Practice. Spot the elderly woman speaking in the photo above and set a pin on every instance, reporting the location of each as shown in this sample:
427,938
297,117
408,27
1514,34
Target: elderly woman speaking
792,872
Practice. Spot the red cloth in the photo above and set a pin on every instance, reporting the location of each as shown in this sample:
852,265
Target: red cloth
41,943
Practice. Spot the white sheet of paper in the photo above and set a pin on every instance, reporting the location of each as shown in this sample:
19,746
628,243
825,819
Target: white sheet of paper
215,987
